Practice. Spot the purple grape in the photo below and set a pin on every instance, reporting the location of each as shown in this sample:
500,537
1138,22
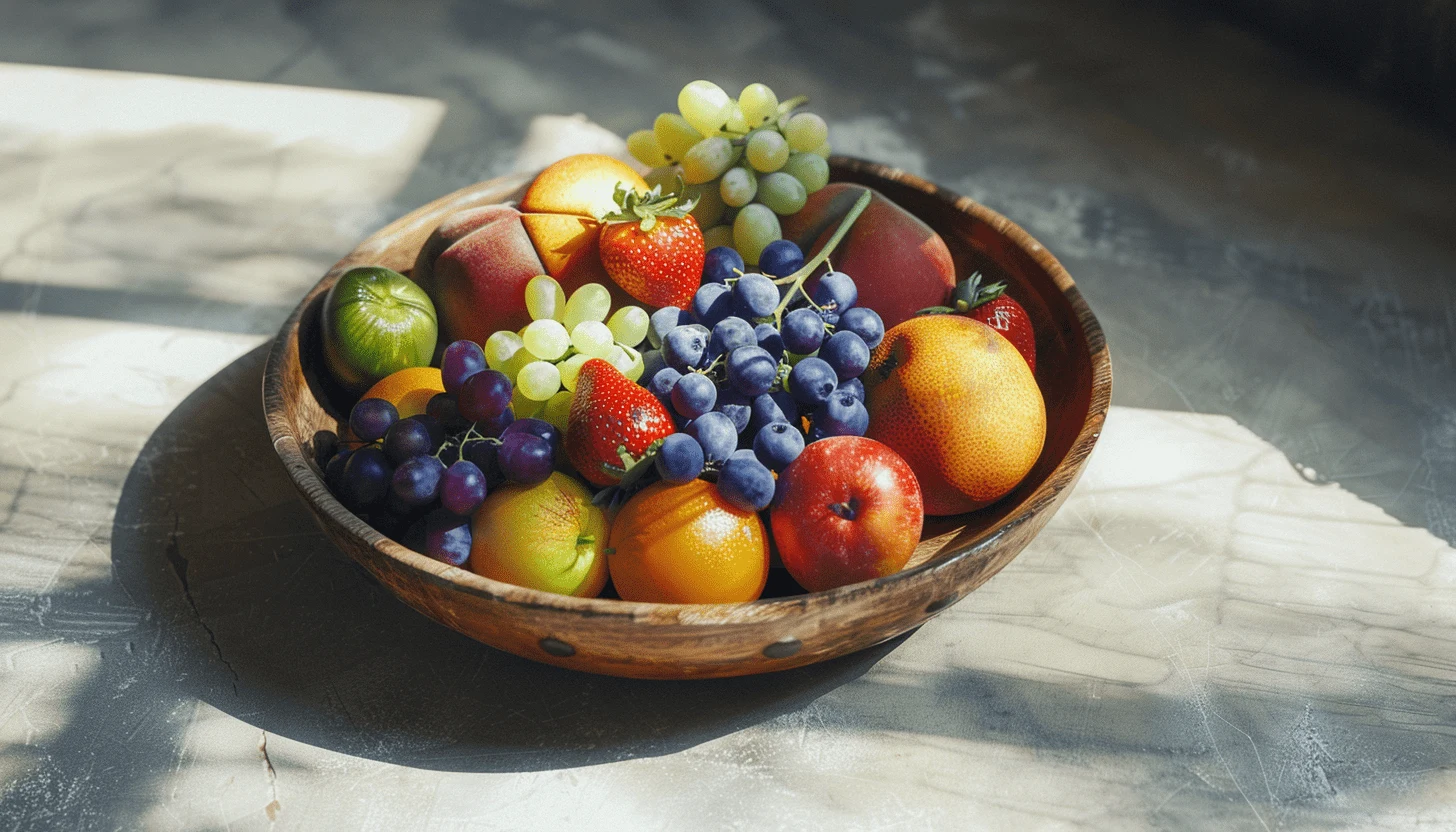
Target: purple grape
852,386
446,411
407,439
778,444
462,360
777,406
663,321
652,361
535,427
437,430
524,458
803,331
334,471
841,415
486,457
716,433
730,334
864,322
836,292
712,303
781,258
693,395
754,296
463,487
485,395
751,370
735,406
661,384
770,339
447,537
811,381
680,459
417,481
687,346
846,353
366,477
325,445
496,426
831,318
745,482
721,264
370,418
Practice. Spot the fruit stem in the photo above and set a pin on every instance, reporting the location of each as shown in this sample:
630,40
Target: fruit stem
798,277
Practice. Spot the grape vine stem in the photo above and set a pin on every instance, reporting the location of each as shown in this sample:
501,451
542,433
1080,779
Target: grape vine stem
798,277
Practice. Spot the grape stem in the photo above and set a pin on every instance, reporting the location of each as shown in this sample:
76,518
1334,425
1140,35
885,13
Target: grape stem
798,277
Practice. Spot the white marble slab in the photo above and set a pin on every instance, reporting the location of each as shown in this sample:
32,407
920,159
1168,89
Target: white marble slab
1202,637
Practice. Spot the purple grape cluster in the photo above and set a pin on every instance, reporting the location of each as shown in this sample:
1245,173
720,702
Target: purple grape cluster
750,357
421,477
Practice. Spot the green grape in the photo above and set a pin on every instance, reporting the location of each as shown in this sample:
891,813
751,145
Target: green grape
628,325
706,160
736,125
558,410
500,348
709,208
810,169
759,104
634,370
544,298
675,136
570,368
539,380
755,227
644,148
782,192
547,340
666,178
705,106
822,151
718,235
524,407
592,338
622,361
806,131
767,151
591,302
738,186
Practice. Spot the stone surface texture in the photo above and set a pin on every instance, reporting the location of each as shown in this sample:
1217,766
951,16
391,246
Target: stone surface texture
1243,617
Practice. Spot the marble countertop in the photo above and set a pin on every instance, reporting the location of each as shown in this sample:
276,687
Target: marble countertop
1243,617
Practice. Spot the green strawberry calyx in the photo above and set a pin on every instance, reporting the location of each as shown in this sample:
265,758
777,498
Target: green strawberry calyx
645,209
967,295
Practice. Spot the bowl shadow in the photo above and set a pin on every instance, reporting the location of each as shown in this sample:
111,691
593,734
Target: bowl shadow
264,619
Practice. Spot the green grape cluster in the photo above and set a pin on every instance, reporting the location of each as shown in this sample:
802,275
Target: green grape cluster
747,161
543,358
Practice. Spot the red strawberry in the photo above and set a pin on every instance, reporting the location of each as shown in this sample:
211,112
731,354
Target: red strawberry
992,307
652,248
611,416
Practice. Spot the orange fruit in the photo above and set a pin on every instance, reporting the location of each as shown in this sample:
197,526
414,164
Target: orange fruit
409,390
684,544
958,402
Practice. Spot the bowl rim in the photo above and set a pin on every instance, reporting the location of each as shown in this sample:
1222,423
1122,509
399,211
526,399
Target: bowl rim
1063,476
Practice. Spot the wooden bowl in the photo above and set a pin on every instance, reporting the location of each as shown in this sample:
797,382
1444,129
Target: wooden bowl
669,641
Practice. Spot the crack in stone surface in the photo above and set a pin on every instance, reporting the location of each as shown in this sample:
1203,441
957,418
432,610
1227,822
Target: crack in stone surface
179,566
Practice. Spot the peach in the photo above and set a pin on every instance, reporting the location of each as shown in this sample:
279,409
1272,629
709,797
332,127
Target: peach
478,280
899,263
581,185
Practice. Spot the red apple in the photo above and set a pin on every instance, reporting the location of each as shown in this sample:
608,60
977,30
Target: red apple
847,510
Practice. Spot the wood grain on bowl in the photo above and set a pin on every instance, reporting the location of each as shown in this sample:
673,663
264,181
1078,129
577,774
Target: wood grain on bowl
665,641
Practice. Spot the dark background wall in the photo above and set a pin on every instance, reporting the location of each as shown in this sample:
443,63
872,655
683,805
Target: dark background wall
1403,50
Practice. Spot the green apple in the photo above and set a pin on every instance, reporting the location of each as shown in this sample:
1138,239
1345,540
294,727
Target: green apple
376,321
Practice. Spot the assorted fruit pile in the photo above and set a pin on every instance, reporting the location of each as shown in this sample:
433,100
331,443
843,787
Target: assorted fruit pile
624,399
